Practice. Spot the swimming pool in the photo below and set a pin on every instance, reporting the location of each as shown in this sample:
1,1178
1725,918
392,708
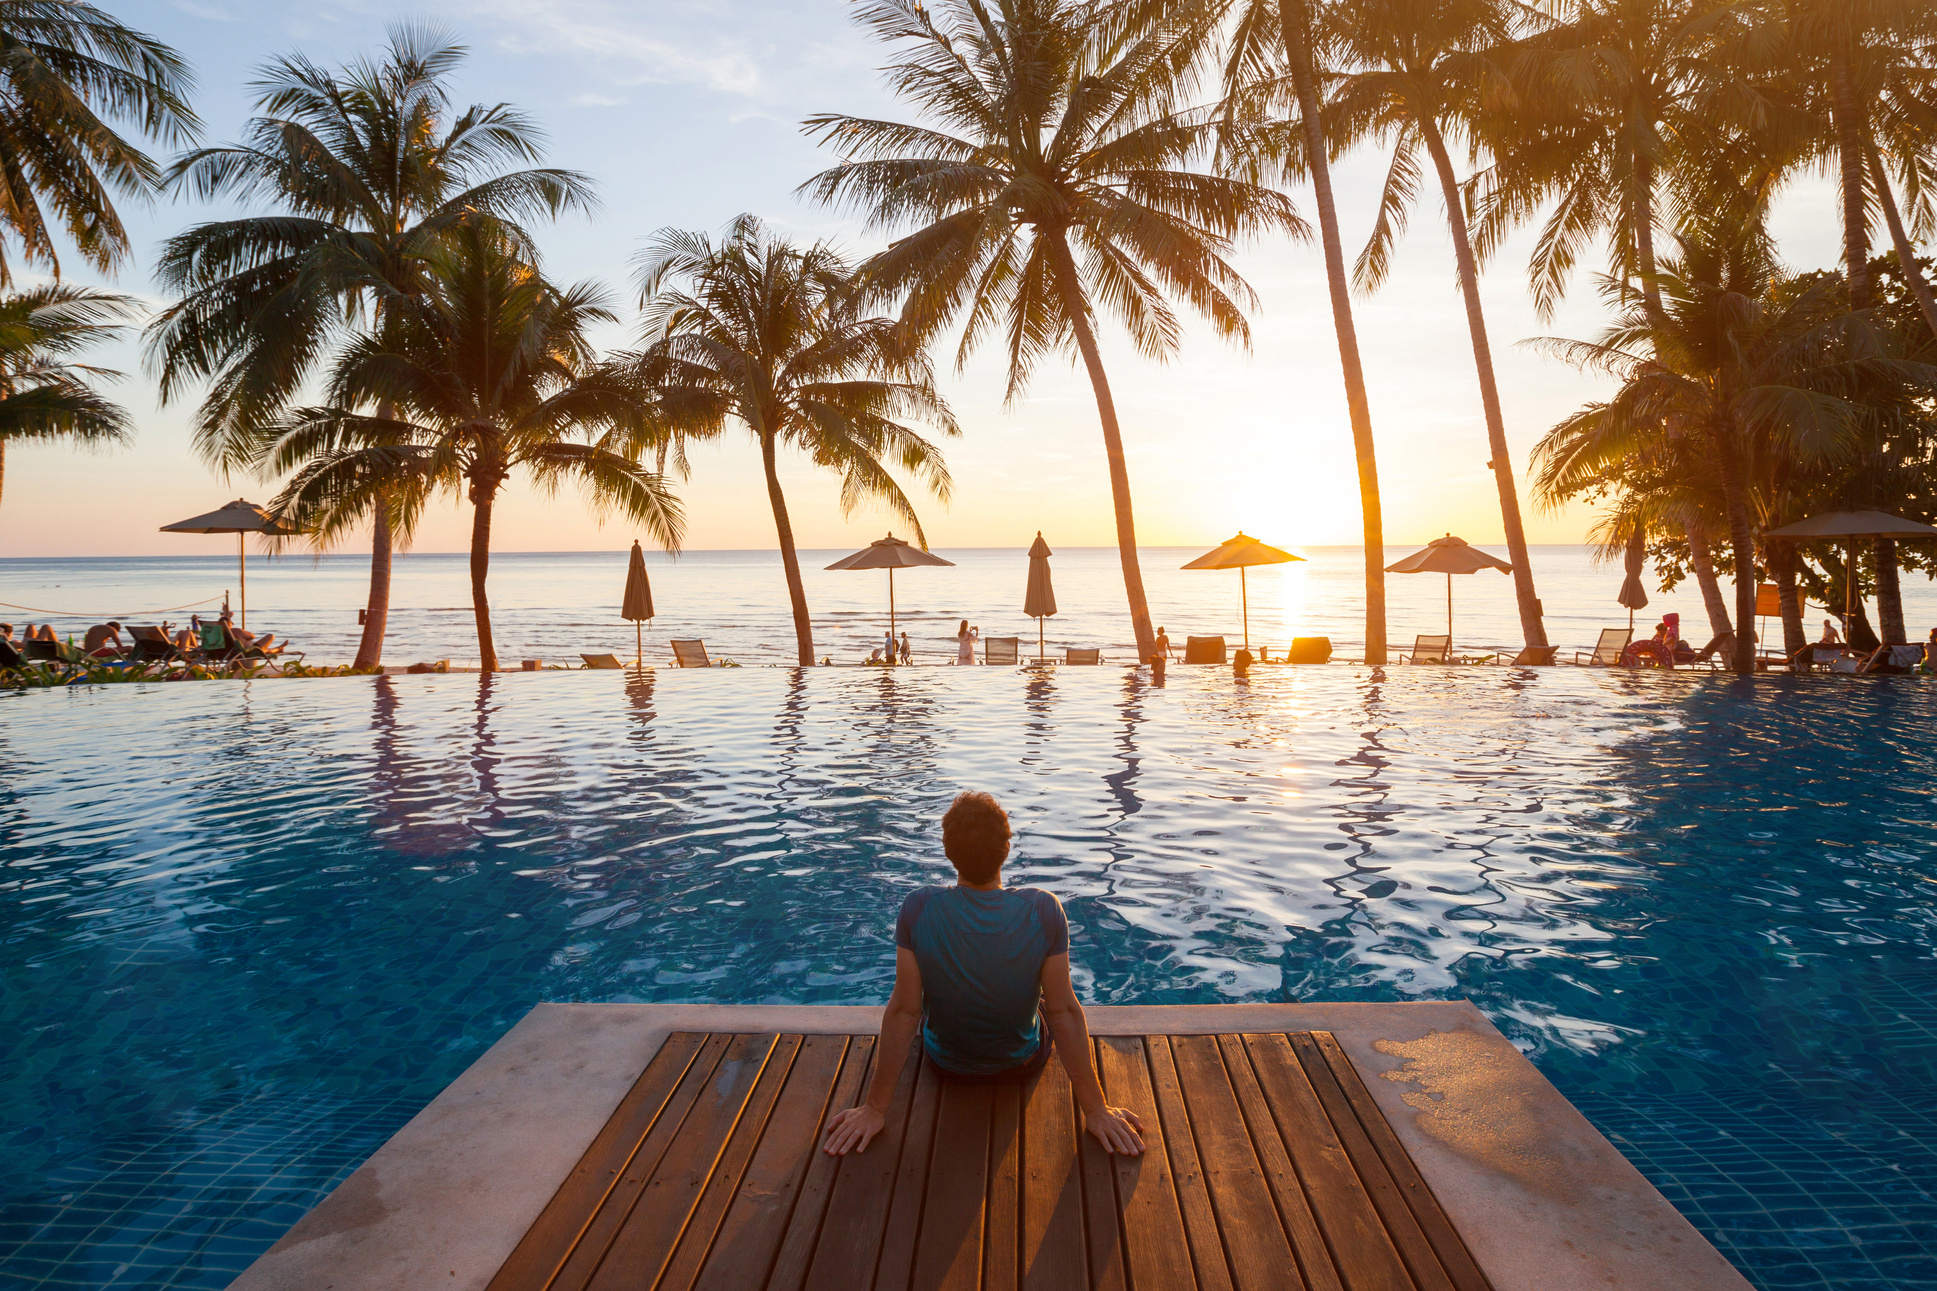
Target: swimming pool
250,928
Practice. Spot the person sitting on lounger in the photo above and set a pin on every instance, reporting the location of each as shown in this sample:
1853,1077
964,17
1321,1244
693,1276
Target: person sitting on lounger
1830,635
249,640
982,974
103,641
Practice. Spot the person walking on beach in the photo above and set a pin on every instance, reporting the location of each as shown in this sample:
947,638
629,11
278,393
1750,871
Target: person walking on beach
907,654
965,639
982,975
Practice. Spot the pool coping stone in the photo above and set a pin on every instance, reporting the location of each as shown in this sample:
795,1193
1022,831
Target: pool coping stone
1544,1202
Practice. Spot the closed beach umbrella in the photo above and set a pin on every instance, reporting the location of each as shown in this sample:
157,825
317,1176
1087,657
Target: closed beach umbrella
1448,556
637,605
1039,602
1633,595
889,553
1851,525
1240,553
238,517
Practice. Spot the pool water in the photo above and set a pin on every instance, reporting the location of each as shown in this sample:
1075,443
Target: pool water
250,928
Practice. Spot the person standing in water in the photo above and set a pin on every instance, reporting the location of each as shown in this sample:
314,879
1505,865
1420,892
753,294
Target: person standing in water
907,652
965,639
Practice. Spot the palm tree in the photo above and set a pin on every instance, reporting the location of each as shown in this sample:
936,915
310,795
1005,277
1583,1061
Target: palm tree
486,371
1054,179
1416,76
44,394
369,169
64,66
1271,37
767,333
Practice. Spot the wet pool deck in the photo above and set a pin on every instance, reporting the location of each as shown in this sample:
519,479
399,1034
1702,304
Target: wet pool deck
1351,1146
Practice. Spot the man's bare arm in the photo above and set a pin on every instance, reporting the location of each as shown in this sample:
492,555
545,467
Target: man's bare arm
1118,1129
853,1129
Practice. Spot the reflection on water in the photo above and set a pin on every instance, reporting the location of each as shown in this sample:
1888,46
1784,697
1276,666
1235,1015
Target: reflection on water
250,928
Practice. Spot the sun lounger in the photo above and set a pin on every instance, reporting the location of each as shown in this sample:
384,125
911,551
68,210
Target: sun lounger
691,654
1309,650
151,646
1531,657
55,652
1001,649
1428,649
1608,650
601,660
1203,649
10,656
1079,656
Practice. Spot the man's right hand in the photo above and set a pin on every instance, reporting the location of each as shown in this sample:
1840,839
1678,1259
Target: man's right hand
853,1130
1118,1129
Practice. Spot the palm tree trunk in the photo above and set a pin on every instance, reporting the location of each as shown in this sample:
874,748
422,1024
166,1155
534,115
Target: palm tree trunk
1782,564
789,560
1702,561
376,615
1889,596
482,497
1906,254
1496,431
1850,147
1126,527
1358,407
1741,541
1644,245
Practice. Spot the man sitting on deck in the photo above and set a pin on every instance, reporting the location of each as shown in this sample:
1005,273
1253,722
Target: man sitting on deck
982,972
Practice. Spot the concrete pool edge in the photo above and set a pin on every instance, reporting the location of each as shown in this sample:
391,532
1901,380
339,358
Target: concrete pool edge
1544,1202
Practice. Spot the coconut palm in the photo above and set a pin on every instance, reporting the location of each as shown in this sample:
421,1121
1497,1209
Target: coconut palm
44,394
1054,178
367,169
67,69
767,334
484,372
1272,42
1415,76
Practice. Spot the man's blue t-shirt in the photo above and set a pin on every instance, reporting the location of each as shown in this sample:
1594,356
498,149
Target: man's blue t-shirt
981,956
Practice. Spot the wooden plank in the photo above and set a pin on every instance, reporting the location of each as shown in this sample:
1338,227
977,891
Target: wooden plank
1107,1256
1052,1256
1354,1234
1447,1243
1254,1237
1002,1237
897,1245
1155,1248
749,1236
646,1239
810,1205
949,1254
1287,1192
748,1137
1400,1225
559,1226
579,1266
864,1185
1193,1197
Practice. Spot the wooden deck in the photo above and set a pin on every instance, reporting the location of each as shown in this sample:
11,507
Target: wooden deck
1269,1166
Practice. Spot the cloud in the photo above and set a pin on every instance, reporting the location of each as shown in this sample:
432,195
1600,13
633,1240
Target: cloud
632,57
596,101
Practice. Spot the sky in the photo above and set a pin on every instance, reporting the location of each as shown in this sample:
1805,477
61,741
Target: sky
686,113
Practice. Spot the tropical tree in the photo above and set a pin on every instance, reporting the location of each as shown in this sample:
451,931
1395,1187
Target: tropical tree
768,334
1415,77
67,69
368,168
484,371
1275,42
1055,177
45,395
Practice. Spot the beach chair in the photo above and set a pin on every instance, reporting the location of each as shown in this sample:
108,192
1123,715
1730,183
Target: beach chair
1079,656
1203,649
1531,657
691,654
10,656
152,646
601,660
1309,650
1608,650
54,652
1428,649
1001,649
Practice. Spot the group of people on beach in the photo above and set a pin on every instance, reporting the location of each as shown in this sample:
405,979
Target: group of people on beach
103,640
1667,649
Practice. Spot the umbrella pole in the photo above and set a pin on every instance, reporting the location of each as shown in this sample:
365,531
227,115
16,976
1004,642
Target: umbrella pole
1849,586
242,574
1449,611
1039,651
891,608
638,645
1244,590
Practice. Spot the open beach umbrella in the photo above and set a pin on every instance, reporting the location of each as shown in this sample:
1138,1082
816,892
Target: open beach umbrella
1240,553
1039,602
1851,525
637,605
889,553
1448,556
238,517
1633,595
